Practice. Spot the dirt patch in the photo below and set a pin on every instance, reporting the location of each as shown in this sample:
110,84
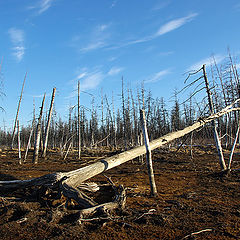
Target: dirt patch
192,197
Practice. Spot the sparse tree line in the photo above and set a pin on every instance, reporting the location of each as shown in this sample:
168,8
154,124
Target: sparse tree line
107,124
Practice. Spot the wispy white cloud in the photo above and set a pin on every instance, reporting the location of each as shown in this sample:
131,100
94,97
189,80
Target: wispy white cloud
92,80
45,5
41,6
207,61
168,27
174,24
157,76
237,6
18,52
166,53
161,5
88,79
17,39
114,71
93,46
113,4
102,27
111,59
96,39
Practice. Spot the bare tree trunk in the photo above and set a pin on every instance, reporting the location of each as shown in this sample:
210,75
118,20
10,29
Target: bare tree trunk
38,134
191,145
29,141
114,124
148,154
216,137
79,123
19,143
236,137
48,124
19,103
124,118
233,147
69,147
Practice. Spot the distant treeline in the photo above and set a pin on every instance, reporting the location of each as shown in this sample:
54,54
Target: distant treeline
108,125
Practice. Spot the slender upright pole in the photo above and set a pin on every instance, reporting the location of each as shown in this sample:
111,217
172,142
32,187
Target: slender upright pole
19,142
236,138
19,103
38,134
216,137
29,142
48,124
79,123
148,154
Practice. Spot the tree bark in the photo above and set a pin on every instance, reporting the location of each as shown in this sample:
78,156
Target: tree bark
48,124
216,137
79,123
19,143
29,141
38,134
148,154
19,103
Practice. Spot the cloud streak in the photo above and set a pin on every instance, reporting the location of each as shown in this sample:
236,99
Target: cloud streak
164,29
91,79
42,6
157,76
207,61
88,79
45,5
93,46
114,71
17,39
95,40
174,24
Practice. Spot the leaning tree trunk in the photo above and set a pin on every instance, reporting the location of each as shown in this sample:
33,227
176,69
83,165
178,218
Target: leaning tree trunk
148,154
38,134
79,123
19,143
19,103
48,124
216,137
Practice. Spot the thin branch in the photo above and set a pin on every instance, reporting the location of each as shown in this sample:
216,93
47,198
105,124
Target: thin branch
195,233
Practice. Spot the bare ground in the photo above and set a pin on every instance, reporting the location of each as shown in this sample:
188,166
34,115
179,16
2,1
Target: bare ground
192,196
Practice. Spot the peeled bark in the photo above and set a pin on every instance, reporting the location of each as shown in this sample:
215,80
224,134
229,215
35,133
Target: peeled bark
48,124
19,104
38,134
216,136
79,123
148,154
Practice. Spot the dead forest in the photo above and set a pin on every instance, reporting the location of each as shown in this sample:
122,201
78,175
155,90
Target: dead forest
120,127
141,129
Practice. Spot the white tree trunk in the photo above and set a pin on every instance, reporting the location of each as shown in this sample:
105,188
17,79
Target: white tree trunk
48,124
38,134
148,154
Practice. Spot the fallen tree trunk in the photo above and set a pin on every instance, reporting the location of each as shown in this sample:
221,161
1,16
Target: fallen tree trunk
75,178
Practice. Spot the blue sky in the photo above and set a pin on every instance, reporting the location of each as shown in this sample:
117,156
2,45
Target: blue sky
59,42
